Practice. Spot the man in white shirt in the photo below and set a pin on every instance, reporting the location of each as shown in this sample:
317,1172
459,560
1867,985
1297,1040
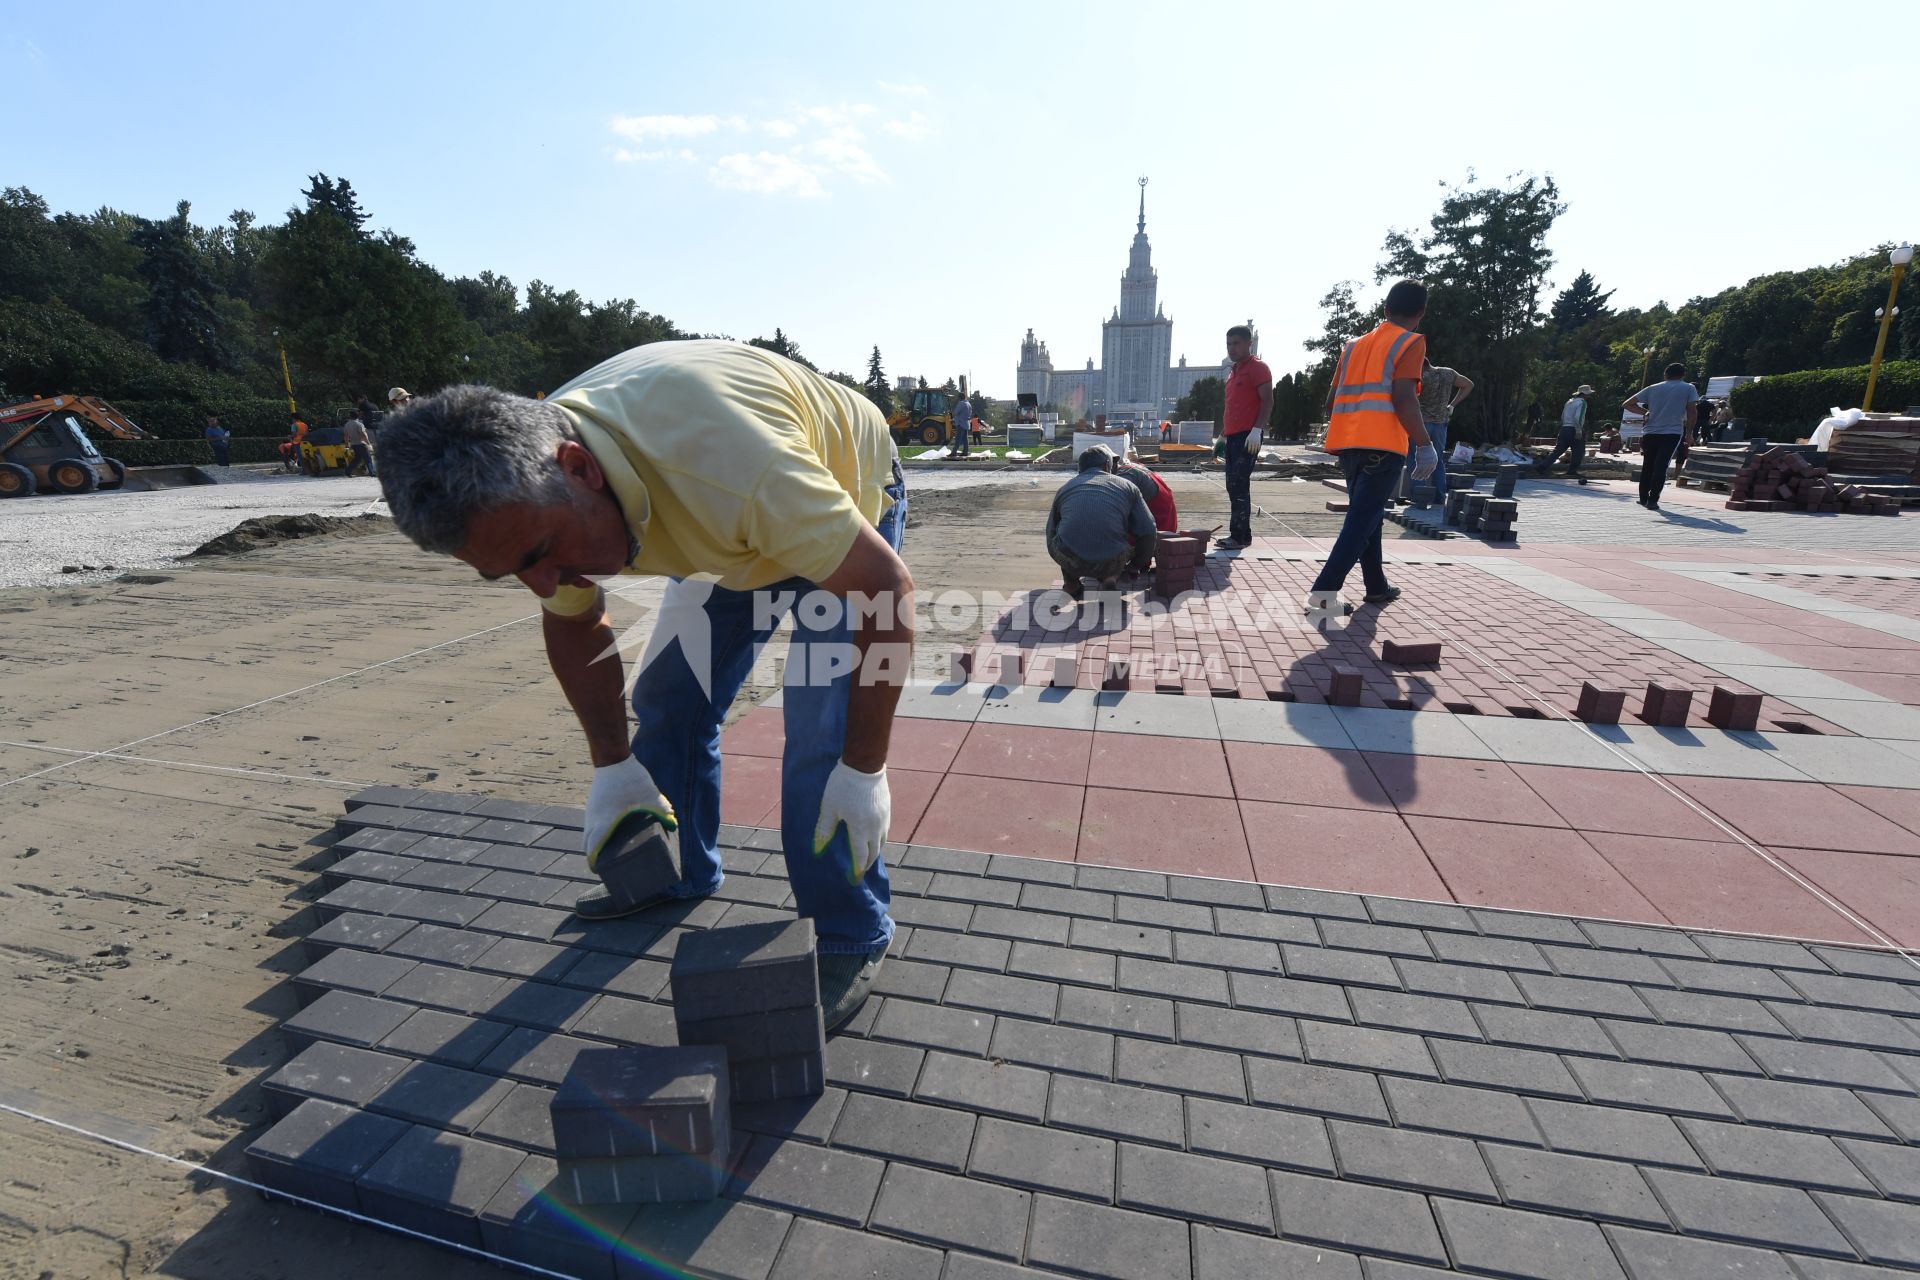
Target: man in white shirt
1573,435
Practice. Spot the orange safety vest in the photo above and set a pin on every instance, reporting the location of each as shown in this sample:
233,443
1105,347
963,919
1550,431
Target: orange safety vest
1363,415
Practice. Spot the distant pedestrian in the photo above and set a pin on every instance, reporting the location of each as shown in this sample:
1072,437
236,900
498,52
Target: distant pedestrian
1242,427
1671,407
354,434
217,436
1441,389
1099,526
1573,434
962,426
290,447
1373,415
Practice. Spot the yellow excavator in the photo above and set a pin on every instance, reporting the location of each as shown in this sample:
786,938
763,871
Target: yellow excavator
44,445
927,419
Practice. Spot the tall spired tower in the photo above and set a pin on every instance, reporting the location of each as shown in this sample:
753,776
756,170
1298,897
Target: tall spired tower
1136,342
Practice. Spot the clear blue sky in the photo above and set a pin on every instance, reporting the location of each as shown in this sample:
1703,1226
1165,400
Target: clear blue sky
938,179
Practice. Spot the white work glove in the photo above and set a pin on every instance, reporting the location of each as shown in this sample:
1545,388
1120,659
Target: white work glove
1425,459
618,790
864,804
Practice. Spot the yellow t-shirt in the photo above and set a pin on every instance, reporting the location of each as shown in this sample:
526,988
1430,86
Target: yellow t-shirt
729,461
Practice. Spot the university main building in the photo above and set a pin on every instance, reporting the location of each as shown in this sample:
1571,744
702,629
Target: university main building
1136,379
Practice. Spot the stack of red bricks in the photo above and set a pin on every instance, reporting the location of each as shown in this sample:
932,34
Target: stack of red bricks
1668,705
1782,480
1176,558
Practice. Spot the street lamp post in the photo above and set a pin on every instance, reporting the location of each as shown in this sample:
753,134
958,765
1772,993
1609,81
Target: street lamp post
285,376
1900,258
1646,363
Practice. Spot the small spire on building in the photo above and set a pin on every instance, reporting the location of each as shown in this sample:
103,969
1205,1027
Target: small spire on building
1143,206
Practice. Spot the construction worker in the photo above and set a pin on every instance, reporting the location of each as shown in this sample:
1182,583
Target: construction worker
1373,419
218,437
962,426
1243,424
1573,434
290,447
353,432
1159,498
760,488
1099,526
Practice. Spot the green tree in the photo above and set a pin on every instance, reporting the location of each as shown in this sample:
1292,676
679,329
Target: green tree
1580,303
182,320
781,344
337,198
1207,401
876,386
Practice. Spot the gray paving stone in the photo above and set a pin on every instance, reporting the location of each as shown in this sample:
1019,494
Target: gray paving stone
1044,1159
991,1088
1229,1255
451,877
1855,993
1844,1026
1259,923
1635,937
1116,1111
444,1097
1069,1049
1181,916
1576,1185
333,1073
1027,926
367,865
1178,981
912,980
319,1149
1194,1187
1747,1212
745,969
1255,955
928,858
1500,1067
1800,1106
1650,1256
455,990
1514,1242
1831,1269
805,1179
1335,1044
1606,966
1060,964
1037,870
1069,902
1868,964
1421,915
1376,938
1825,1064
1582,996
1279,1139
1428,1015
1321,1000
527,1222
1219,893
1761,951
363,972
1649,1088
1329,1091
355,930
1124,939
1236,1029
634,976
604,1017
1881,1230
810,1119
1718,1013
1899,1115
519,920
896,1130
1316,902
1611,1132
1332,964
1388,1269
873,1067
1728,979
934,1026
1894,1169
999,993
523,1119
1117,1011
1150,884
537,1057
1460,981
1770,1155
1351,1215
1446,1108
1500,953
962,950
1190,1070
940,1209
1533,1029
821,1249
448,1038
437,1183
642,1102
1093,1240
1423,1162
345,1018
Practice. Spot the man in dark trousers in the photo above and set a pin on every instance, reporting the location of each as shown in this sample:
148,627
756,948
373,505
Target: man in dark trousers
1373,420
1249,405
1671,407
1099,526
1573,435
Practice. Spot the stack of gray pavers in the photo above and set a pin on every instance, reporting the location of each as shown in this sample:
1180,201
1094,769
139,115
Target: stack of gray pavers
754,990
643,1126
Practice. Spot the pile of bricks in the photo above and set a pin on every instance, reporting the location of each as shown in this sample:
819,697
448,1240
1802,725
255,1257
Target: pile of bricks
1491,517
1783,480
754,990
642,1126
1176,558
1667,706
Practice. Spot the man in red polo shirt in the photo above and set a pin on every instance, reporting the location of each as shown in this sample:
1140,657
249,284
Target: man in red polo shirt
1249,405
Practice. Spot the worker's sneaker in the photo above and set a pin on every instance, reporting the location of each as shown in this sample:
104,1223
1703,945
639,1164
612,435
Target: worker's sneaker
1383,597
1231,544
1327,604
845,983
597,904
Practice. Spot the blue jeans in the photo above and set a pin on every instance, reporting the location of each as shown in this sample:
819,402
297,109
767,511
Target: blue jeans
1240,453
1372,475
1438,430
677,738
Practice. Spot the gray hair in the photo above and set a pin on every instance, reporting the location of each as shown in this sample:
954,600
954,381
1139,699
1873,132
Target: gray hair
464,451
1097,456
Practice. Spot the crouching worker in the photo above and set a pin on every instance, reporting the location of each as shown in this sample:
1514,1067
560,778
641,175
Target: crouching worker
781,491
1160,503
1099,527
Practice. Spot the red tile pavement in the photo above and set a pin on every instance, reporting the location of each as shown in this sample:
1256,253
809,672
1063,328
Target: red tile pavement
1193,835
1612,800
1722,886
1532,868
1356,850
1883,890
1484,790
1023,751
1897,688
1808,816
1890,595
1304,776
1889,802
912,791
750,791
925,744
757,733
1003,815
1188,766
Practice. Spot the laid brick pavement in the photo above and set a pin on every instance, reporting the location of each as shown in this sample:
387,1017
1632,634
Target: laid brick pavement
1337,1085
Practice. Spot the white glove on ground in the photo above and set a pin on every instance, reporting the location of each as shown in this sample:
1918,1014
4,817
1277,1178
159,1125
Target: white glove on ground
618,790
861,801
1425,459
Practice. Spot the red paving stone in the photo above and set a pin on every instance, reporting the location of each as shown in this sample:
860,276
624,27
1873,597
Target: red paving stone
1355,850
1003,815
1482,790
757,733
1531,868
1883,890
1193,835
1901,806
1304,776
1023,751
1188,766
750,790
925,744
1610,800
912,790
1889,595
1722,886
1802,816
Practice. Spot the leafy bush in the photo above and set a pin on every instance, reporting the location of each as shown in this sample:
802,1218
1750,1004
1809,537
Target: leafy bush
177,419
1796,402
196,453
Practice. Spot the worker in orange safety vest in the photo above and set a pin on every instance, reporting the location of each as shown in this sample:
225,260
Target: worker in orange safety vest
1373,417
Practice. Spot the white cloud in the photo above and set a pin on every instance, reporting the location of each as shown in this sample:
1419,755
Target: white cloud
766,173
913,87
843,153
915,127
780,128
648,128
625,156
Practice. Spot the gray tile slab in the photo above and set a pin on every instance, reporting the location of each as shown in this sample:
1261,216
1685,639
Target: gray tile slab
1053,1048
1425,1162
1459,981
1000,993
1613,1133
1197,1188
1446,1108
1116,1111
1648,1088
1213,1027
1046,1159
1062,964
810,1180
319,1149
1338,964
1226,1255
1660,1256
1330,1091
1501,1067
1747,1212
346,1018
940,1209
1816,1108
983,1085
873,1067
934,1026
1320,1000
437,1183
821,1249
1882,1231
1515,1242
1370,1048
1895,1170
938,1137
1264,1135
1578,1185
1121,1012
1194,1071
1537,1029
1721,1013
1093,1240
333,1073
1825,1064
1351,1215
1772,1155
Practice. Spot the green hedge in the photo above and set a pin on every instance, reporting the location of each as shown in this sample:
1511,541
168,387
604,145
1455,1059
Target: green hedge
187,419
1796,402
197,453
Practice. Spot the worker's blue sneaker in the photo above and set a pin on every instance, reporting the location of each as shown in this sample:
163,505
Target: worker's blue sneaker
845,983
